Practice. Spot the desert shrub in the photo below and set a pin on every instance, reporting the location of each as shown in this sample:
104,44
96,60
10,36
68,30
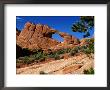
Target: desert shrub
89,71
26,60
17,61
38,55
50,56
61,51
87,49
90,41
72,53
42,72
91,47
54,55
77,49
67,50
84,47
41,59
57,57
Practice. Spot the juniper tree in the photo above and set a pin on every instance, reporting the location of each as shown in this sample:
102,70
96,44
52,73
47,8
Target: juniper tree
84,25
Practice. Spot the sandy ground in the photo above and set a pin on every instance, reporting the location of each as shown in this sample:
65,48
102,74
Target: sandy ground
72,65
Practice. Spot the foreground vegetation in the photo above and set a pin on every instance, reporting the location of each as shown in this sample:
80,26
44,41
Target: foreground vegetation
89,71
39,55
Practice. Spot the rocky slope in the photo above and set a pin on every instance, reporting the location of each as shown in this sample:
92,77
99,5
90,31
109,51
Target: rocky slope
72,65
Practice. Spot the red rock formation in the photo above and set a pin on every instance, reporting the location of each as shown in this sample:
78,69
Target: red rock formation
40,37
69,42
69,39
83,41
36,36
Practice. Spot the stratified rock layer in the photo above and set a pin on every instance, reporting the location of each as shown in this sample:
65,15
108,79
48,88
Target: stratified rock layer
69,39
40,36
36,36
72,65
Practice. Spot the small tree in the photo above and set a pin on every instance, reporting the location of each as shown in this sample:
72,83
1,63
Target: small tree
84,25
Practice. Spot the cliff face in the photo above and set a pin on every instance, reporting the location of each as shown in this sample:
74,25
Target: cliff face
36,36
40,36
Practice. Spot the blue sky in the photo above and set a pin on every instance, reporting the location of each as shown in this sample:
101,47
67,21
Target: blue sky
61,23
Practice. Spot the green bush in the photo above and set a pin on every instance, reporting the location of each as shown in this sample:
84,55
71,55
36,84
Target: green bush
72,53
54,55
87,49
42,72
57,57
61,51
83,47
38,55
17,61
50,56
26,60
91,47
90,41
67,50
77,48
41,59
90,71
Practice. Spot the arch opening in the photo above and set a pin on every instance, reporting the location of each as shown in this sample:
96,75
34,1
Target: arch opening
57,37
